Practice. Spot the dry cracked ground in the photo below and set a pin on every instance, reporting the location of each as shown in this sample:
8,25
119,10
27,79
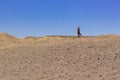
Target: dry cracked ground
87,58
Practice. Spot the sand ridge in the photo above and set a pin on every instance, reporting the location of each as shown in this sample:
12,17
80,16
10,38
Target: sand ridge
85,58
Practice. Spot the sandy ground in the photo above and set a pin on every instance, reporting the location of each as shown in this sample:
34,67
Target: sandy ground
62,59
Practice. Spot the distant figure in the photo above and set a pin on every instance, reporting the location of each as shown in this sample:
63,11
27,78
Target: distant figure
78,31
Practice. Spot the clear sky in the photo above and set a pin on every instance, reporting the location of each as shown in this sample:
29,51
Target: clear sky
22,18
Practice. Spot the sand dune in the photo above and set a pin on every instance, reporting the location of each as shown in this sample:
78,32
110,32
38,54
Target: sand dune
8,40
61,58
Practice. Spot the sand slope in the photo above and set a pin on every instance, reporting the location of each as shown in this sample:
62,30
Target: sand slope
90,58
6,39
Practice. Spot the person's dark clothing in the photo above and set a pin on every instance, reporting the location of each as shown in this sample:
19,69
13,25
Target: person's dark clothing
78,31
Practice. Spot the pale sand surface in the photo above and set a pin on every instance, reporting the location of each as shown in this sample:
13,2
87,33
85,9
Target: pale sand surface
62,59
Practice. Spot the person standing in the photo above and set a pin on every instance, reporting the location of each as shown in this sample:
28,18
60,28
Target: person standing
78,31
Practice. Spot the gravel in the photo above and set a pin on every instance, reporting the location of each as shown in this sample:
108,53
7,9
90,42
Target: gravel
62,59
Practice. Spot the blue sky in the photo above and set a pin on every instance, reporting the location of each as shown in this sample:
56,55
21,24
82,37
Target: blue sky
59,17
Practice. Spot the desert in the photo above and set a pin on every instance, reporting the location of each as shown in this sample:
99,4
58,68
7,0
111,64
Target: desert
60,58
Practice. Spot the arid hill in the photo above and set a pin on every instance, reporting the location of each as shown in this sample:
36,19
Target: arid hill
9,40
61,58
6,39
